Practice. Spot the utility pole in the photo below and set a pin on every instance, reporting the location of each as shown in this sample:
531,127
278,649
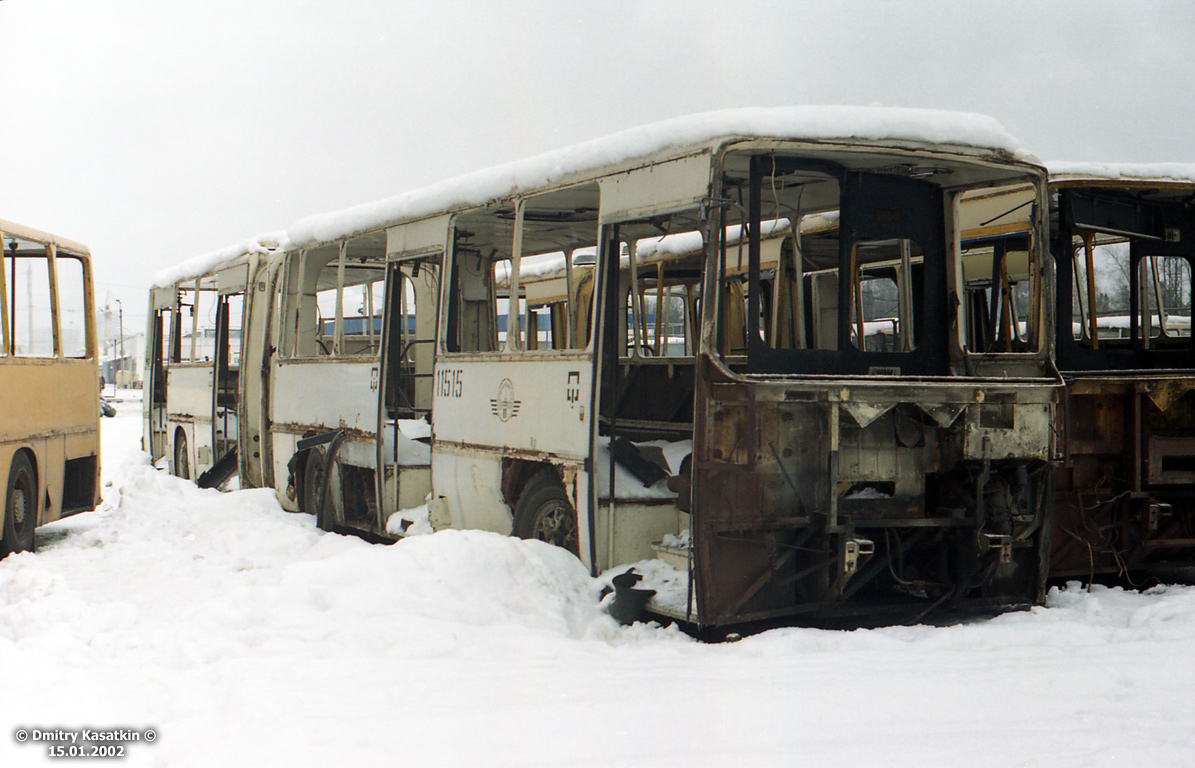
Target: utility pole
120,325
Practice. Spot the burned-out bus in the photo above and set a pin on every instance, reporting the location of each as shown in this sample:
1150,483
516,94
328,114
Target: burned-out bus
802,355
1124,247
49,376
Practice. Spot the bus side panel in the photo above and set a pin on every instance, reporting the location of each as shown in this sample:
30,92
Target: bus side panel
53,409
531,409
189,405
312,396
326,394
527,406
44,396
471,483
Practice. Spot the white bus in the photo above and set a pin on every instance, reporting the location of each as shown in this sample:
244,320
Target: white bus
49,376
598,348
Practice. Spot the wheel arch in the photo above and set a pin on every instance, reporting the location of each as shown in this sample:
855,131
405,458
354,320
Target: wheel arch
180,430
516,473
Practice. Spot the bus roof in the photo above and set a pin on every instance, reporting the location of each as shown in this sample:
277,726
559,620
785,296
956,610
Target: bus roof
205,263
657,141
653,142
1134,172
29,234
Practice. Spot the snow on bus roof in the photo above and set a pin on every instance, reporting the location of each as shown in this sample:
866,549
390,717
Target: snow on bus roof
1180,172
205,263
805,122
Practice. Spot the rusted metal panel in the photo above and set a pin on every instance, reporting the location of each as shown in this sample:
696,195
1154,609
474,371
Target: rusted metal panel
1125,491
796,512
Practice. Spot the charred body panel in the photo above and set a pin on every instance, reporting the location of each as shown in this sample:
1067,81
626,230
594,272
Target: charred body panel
1127,488
846,496
831,477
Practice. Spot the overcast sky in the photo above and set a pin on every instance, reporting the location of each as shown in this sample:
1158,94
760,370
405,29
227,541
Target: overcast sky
156,130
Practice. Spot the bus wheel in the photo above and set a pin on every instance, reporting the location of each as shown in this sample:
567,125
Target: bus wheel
544,512
182,465
20,506
313,481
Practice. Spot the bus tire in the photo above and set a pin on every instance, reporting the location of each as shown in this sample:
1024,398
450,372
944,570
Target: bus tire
20,505
182,461
543,512
313,480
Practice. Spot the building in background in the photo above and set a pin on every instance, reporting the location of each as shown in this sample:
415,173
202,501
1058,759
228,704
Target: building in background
122,353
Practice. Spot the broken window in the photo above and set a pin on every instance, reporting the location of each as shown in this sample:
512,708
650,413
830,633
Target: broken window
840,271
197,305
999,295
334,299
521,279
1153,305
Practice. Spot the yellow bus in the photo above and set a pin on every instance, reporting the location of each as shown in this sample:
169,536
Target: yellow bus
49,380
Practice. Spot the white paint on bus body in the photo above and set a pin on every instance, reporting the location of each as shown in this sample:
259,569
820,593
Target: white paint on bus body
313,393
533,404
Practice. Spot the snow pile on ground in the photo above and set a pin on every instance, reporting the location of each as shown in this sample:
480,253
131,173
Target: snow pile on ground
244,636
410,522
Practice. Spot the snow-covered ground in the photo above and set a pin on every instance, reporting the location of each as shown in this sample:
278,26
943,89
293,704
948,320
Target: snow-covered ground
243,636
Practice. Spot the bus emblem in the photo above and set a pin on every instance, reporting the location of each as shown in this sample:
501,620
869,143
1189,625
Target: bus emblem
505,407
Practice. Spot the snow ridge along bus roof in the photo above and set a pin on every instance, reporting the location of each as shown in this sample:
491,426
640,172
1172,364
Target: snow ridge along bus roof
201,265
624,148
1176,172
824,123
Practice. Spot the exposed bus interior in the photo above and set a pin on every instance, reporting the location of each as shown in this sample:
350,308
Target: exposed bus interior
998,295
517,297
1124,254
500,256
413,290
841,458
1128,278
227,372
165,350
327,379
334,299
412,296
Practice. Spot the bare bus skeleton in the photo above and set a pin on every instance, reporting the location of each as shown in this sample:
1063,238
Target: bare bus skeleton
395,353
1125,487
